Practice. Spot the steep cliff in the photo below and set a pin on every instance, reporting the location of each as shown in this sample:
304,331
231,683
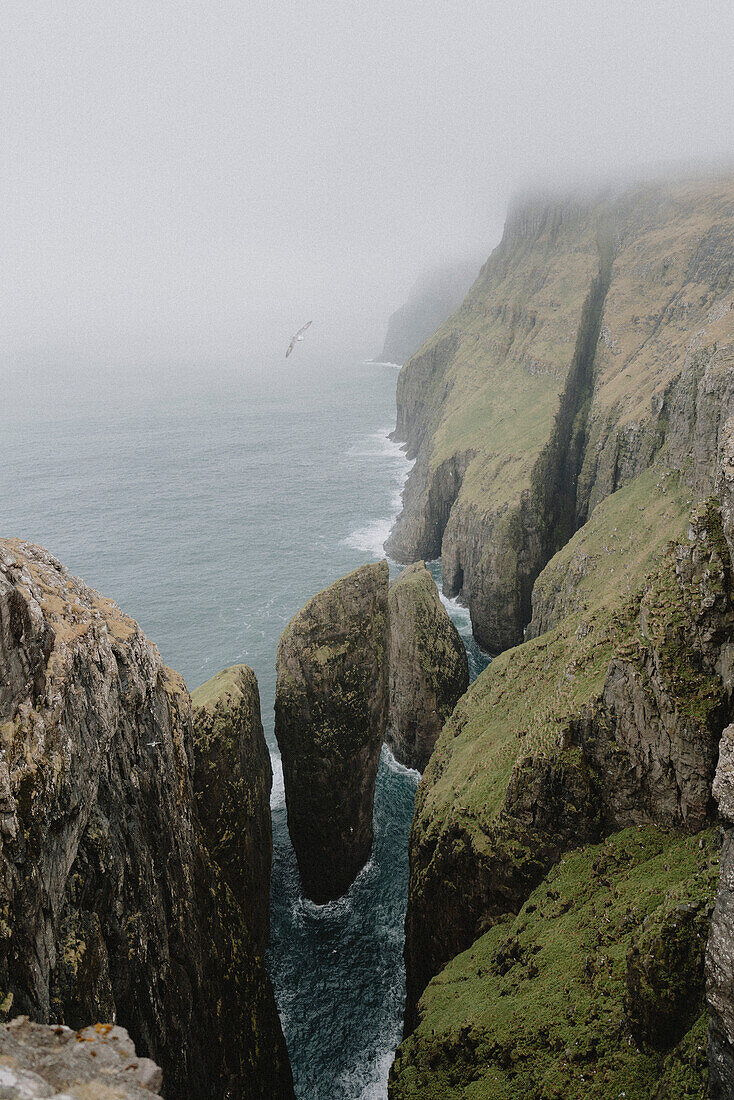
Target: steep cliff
598,336
432,299
428,666
594,989
611,718
330,716
232,782
720,950
112,908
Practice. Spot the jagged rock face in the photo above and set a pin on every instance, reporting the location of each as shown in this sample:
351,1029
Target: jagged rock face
97,1063
720,949
330,716
232,782
429,670
616,315
111,906
725,482
611,720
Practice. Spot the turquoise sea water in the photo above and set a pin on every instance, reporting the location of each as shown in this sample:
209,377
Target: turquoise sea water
211,517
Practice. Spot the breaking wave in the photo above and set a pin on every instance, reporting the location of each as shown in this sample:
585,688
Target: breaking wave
371,537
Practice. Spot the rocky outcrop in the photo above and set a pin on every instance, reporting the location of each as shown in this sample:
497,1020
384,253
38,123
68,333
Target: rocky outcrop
111,906
725,482
97,1063
428,666
610,720
720,949
232,782
433,298
597,340
330,716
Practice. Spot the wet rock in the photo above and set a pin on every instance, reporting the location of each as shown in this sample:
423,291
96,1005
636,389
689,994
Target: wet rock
428,666
330,716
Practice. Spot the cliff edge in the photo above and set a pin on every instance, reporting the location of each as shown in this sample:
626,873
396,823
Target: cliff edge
112,908
597,337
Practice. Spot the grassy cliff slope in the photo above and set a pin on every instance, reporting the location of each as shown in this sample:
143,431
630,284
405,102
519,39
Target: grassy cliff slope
599,335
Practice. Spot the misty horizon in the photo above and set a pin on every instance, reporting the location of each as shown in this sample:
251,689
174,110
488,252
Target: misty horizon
190,188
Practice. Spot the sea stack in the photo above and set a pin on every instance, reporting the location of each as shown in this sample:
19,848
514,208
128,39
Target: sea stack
429,671
330,716
232,781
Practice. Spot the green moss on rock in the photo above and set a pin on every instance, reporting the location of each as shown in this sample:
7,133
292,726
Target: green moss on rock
612,718
428,666
232,781
330,715
543,1005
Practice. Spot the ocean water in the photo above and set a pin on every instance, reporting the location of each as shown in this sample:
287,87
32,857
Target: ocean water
211,516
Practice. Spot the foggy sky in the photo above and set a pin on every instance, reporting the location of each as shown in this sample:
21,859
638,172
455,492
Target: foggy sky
186,179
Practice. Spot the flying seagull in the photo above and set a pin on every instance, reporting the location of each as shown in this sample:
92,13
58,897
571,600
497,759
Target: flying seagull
297,338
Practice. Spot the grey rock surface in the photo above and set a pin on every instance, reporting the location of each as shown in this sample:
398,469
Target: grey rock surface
97,1063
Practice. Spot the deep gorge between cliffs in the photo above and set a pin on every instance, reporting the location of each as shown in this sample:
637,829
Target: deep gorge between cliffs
212,521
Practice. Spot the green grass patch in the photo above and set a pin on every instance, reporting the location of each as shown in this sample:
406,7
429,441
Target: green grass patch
540,1006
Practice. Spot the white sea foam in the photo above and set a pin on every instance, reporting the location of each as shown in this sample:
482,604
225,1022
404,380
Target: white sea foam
372,1081
395,765
372,536
277,791
304,907
458,611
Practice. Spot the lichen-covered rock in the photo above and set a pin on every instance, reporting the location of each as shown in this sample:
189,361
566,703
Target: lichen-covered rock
232,781
110,904
428,666
330,716
96,1063
725,481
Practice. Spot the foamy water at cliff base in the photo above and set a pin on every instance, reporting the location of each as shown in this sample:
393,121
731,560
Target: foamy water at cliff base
211,518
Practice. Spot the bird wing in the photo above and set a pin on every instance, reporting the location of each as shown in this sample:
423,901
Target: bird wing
298,336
